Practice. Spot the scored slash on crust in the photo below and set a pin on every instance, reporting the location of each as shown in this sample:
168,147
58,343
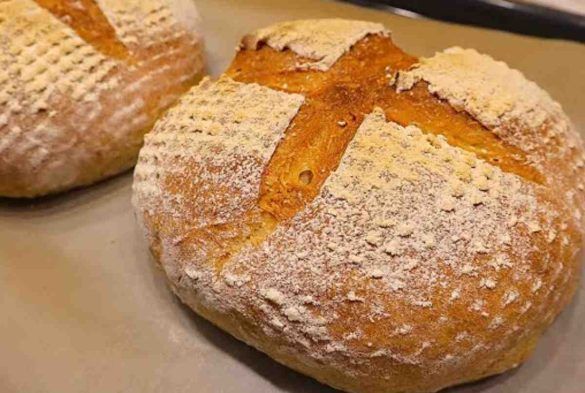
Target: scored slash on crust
86,18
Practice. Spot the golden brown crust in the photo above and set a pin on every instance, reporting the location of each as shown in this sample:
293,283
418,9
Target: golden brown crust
81,83
346,93
387,242
90,23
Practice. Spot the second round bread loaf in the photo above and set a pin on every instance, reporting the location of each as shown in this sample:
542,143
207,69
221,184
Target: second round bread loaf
81,81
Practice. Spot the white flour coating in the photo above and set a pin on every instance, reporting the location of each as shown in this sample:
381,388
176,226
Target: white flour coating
215,126
41,55
415,255
500,98
144,21
40,58
514,108
376,237
322,40
388,187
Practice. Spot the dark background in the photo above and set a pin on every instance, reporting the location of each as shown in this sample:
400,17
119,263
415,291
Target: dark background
498,14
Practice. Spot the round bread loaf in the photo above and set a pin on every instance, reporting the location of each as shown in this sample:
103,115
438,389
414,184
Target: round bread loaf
81,81
379,222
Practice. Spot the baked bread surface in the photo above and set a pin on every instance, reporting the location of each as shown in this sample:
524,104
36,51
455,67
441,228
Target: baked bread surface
81,81
379,222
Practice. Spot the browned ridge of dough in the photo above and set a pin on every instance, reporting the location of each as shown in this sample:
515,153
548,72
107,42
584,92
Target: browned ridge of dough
90,23
337,102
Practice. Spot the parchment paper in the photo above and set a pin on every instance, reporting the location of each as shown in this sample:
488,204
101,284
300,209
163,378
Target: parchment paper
83,309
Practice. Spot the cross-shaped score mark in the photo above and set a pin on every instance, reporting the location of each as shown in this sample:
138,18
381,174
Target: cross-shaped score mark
337,101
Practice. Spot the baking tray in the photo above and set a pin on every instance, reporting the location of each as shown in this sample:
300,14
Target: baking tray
84,309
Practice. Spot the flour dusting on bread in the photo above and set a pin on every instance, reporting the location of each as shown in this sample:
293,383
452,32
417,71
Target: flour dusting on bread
74,104
144,21
322,40
377,240
216,125
41,55
514,108
501,98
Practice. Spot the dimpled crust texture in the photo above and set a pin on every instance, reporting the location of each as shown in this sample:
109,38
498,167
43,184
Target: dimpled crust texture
81,81
379,222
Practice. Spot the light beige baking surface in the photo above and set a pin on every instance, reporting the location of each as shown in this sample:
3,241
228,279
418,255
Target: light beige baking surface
83,309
